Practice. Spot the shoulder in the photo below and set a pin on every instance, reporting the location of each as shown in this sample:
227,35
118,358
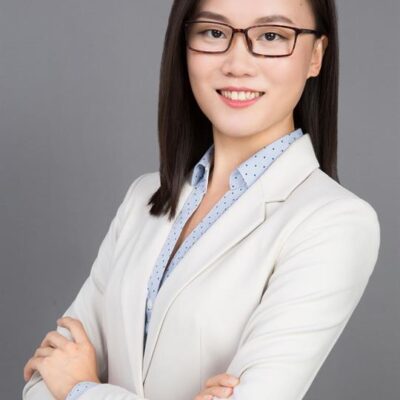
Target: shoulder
330,225
143,185
321,192
146,181
139,191
324,211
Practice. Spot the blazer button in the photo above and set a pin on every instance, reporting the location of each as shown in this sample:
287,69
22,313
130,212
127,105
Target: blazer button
150,304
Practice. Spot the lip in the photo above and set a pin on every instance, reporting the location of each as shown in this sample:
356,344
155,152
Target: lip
239,89
238,103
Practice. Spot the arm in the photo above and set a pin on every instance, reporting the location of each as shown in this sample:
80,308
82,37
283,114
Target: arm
87,307
319,278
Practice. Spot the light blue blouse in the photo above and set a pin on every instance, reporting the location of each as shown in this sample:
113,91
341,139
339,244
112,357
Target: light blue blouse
239,181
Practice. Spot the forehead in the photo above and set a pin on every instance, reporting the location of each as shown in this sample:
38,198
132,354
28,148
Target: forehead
244,13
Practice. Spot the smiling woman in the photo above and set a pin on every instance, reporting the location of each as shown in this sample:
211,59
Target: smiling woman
242,256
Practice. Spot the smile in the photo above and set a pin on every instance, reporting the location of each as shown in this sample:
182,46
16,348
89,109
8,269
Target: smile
239,99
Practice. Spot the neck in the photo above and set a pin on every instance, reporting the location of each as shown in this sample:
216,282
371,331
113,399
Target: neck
230,152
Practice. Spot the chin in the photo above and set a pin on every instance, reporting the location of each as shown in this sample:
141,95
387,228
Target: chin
237,128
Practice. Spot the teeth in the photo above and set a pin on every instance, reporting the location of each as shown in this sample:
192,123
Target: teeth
240,95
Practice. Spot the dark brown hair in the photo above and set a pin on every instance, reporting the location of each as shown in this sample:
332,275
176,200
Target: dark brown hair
185,133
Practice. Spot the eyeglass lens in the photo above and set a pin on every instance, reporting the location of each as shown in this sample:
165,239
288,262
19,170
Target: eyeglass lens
266,40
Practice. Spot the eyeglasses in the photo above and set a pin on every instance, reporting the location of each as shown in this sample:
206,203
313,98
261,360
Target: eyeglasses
262,40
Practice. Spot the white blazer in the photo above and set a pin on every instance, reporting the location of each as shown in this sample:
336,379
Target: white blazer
263,295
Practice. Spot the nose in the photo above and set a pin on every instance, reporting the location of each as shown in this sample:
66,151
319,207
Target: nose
241,38
238,58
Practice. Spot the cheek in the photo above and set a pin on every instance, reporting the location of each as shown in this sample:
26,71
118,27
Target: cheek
286,72
286,78
198,72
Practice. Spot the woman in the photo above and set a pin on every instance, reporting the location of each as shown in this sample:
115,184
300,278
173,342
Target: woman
243,256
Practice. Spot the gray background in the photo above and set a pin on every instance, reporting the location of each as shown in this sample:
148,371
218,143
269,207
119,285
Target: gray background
78,110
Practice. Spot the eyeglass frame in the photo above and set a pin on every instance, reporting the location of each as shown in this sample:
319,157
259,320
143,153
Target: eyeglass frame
249,42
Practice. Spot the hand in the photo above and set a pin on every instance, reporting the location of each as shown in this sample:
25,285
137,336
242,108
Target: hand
63,363
220,385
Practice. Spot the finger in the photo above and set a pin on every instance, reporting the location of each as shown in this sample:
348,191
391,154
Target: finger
54,339
31,366
43,351
215,380
218,391
76,327
222,379
204,397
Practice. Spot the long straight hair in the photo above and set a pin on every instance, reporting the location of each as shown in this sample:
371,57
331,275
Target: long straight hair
185,133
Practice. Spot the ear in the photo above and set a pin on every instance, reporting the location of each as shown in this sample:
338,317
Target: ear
317,56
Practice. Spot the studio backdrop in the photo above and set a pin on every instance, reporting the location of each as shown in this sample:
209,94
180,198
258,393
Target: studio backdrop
78,123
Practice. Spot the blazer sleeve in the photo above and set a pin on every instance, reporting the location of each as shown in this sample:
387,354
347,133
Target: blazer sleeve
87,307
319,277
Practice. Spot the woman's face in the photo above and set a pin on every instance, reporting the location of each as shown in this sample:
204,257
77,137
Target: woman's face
282,79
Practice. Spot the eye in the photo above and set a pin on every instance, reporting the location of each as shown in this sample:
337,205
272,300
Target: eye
214,31
272,35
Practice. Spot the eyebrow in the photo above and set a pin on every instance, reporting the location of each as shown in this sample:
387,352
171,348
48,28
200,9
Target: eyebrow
262,20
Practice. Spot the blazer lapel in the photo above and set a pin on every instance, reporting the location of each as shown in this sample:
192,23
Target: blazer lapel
141,261
238,221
